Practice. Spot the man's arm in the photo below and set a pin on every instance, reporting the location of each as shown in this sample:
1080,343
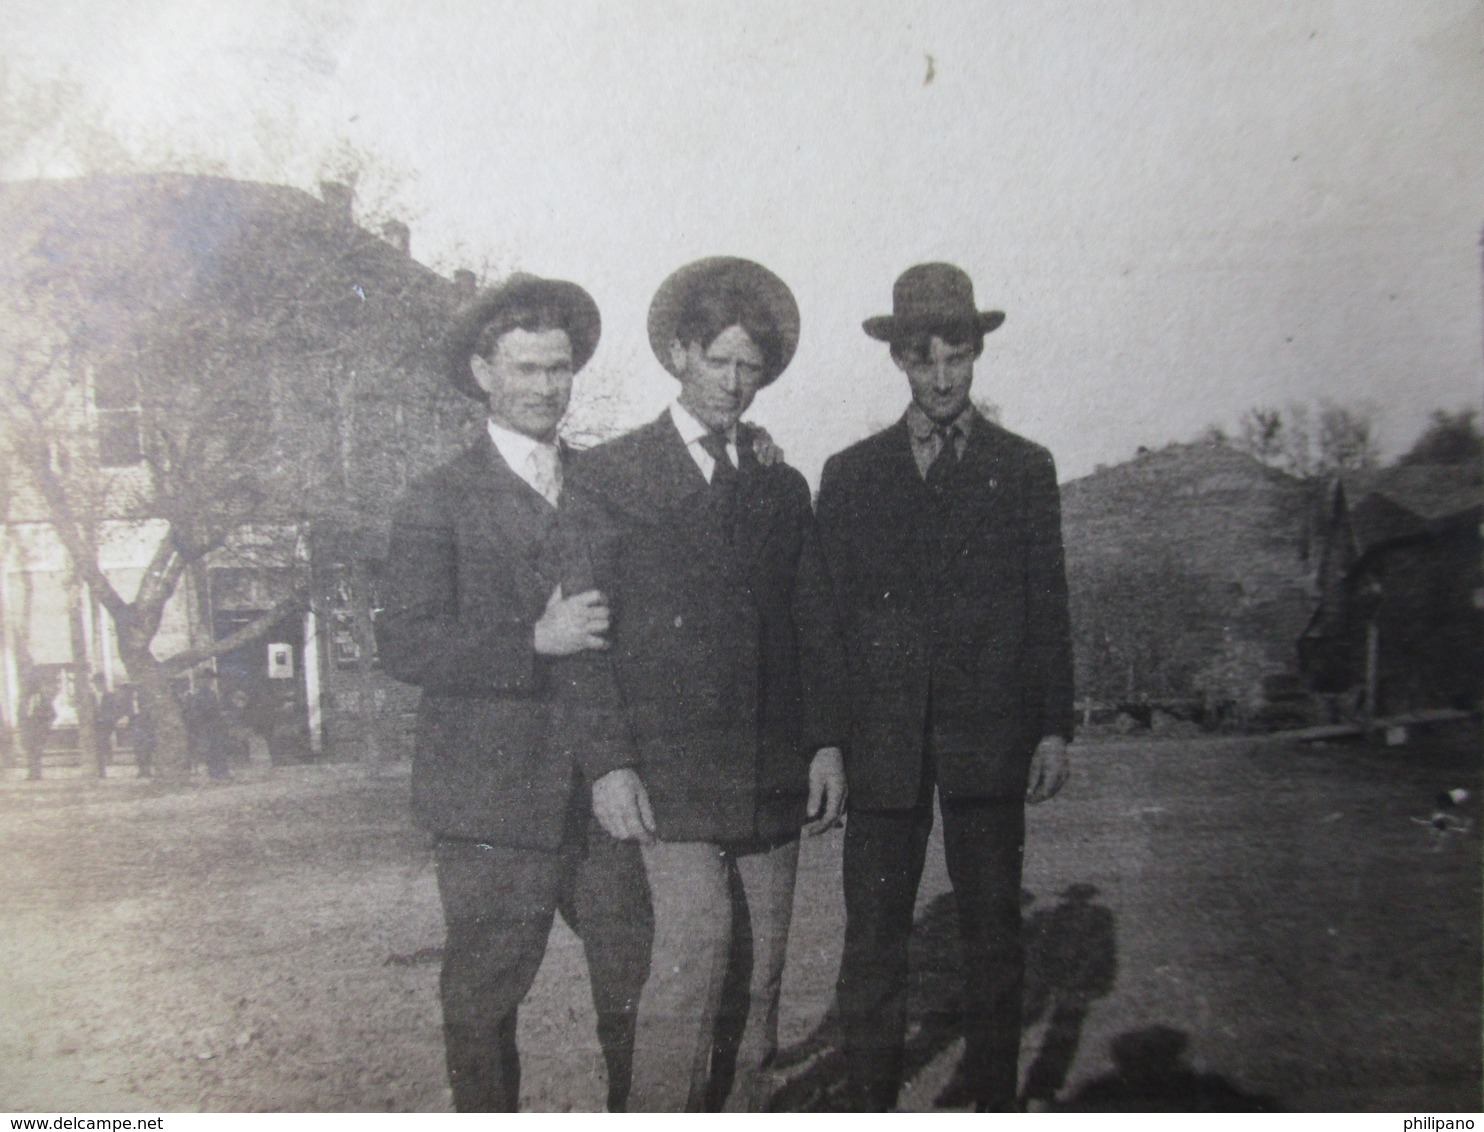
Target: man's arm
602,745
1049,621
822,667
431,635
822,657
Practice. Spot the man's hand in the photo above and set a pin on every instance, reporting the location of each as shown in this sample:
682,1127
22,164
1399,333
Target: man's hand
763,447
571,624
621,805
826,790
1050,767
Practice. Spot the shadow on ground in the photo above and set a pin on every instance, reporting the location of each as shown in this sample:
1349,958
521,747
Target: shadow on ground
1151,1076
1071,961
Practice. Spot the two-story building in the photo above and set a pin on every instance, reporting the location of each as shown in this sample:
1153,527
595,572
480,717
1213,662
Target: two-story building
321,339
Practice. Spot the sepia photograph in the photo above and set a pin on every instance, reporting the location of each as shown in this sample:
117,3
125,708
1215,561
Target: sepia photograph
741,557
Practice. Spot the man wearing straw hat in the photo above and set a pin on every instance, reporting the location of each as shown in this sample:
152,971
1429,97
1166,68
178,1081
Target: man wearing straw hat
490,606
705,656
938,635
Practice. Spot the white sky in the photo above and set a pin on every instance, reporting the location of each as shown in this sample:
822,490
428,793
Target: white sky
1186,207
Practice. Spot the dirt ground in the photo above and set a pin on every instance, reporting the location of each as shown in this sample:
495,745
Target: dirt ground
1232,924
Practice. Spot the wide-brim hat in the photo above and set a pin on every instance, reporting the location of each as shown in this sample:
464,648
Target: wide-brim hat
932,296
723,272
580,320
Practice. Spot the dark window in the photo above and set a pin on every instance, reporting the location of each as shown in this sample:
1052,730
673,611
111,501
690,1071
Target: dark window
118,438
116,401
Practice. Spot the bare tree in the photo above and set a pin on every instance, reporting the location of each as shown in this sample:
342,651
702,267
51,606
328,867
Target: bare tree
1262,434
1345,438
189,357
1336,439
604,403
1298,441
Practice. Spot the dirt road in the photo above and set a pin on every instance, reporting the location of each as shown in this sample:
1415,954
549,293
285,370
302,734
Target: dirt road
1211,924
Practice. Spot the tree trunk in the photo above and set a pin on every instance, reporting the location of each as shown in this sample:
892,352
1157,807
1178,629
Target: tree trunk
1372,669
172,756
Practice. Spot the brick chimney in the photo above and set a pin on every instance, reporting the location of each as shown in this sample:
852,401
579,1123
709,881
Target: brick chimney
464,282
340,198
398,235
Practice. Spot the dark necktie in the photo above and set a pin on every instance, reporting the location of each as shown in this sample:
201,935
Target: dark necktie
724,474
941,469
723,490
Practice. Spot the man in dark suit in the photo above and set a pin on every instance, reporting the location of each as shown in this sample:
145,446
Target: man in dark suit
937,653
490,607
705,654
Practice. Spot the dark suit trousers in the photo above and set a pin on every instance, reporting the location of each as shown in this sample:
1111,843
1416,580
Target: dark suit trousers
498,903
983,843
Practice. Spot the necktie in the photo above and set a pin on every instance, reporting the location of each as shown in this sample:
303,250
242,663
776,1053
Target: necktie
546,472
724,474
944,463
723,490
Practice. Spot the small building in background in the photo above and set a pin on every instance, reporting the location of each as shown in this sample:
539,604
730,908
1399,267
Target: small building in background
1400,619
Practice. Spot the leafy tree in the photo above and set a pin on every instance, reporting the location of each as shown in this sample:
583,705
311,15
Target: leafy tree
1231,682
1140,629
1450,439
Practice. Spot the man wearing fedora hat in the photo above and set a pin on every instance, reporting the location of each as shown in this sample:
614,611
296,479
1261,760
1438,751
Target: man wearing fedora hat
490,606
704,647
933,605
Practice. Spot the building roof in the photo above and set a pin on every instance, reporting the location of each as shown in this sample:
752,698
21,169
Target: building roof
1400,503
136,248
296,314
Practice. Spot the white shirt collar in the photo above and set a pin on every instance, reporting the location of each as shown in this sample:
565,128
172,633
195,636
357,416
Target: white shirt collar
692,432
525,455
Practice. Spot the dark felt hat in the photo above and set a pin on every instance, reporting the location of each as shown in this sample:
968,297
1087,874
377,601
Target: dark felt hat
723,272
580,320
932,296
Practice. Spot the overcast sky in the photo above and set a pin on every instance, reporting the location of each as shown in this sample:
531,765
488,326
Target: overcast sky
1186,208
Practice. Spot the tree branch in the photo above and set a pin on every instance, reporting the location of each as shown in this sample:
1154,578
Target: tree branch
248,634
75,538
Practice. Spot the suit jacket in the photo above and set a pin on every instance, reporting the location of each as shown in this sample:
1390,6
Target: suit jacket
704,643
504,736
944,623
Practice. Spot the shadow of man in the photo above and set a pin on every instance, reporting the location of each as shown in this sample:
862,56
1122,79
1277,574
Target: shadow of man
1070,960
1150,1075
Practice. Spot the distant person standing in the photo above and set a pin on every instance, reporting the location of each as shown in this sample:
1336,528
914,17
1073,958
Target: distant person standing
206,727
142,737
109,710
936,633
37,714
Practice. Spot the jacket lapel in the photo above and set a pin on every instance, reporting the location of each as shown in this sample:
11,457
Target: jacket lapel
659,478
502,511
979,486
758,504
899,493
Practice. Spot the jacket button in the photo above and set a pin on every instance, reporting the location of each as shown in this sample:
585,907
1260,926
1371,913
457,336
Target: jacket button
679,621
